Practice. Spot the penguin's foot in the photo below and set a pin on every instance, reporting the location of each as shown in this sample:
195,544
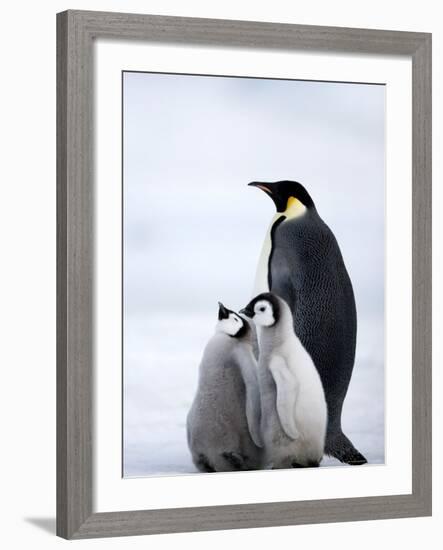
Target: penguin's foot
203,464
339,446
236,460
310,464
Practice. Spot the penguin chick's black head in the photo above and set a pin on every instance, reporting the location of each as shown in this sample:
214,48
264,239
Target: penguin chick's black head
281,191
230,323
223,312
264,309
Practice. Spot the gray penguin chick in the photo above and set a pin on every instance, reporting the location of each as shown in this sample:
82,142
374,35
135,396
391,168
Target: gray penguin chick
294,411
223,424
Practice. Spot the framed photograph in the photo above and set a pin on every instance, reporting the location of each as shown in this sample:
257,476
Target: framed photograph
243,276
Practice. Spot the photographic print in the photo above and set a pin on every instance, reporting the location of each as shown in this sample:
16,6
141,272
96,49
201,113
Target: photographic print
253,274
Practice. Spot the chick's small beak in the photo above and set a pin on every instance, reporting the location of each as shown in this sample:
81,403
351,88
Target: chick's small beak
246,311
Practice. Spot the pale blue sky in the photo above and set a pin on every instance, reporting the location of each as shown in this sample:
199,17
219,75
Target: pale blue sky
193,143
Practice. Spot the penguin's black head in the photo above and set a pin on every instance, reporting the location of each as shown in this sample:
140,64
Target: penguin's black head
264,309
287,195
231,323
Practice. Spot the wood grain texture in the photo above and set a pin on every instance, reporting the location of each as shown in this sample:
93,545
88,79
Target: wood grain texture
62,364
74,276
253,34
76,31
422,272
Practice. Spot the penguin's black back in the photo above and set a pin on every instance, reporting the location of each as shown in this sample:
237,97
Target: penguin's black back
307,270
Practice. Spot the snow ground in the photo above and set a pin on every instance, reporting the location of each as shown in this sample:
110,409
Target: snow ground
159,387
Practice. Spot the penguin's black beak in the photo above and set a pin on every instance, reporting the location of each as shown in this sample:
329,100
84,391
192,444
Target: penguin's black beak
223,313
261,185
274,191
247,311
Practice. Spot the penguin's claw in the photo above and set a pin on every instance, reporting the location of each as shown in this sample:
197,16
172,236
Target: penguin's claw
354,459
236,460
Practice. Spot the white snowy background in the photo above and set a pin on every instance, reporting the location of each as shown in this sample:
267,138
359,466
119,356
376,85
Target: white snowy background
193,232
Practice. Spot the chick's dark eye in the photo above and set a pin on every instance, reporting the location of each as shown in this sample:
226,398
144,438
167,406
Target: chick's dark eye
262,309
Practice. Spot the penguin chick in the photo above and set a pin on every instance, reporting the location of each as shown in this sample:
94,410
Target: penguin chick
293,406
223,424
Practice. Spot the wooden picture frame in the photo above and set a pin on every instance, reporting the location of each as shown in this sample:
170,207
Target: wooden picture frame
76,31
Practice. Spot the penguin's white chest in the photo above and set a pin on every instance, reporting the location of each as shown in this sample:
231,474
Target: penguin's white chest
294,209
261,277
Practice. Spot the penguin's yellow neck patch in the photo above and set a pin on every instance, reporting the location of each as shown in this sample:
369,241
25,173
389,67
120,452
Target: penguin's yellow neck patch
294,208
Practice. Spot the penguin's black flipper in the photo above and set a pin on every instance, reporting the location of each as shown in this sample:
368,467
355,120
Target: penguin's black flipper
342,449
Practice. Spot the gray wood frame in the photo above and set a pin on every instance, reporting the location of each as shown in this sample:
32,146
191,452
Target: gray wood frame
76,31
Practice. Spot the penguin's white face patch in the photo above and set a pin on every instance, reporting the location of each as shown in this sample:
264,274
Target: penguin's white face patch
263,314
231,325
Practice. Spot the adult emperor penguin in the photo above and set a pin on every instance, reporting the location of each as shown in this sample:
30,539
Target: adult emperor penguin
301,262
223,424
294,414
